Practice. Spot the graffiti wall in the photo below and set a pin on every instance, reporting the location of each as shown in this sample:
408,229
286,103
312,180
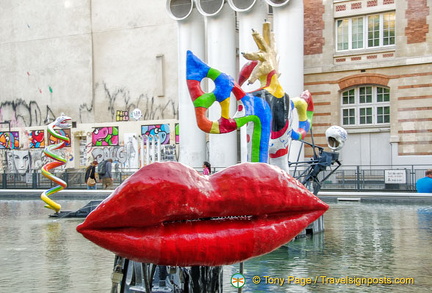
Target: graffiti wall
130,156
24,162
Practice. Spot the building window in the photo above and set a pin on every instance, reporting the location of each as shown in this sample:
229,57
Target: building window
365,105
369,31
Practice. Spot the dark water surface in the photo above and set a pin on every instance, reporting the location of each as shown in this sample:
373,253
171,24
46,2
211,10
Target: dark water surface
378,243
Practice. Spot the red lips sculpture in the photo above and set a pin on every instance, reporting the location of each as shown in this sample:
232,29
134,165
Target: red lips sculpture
169,214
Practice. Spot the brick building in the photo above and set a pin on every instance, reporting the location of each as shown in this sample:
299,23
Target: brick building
368,64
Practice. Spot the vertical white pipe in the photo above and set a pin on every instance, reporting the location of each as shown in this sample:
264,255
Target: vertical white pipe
221,54
147,149
289,33
151,143
159,147
142,149
248,20
192,139
288,28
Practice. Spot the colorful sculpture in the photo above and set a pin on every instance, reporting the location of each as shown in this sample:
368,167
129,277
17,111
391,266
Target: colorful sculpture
268,108
168,214
62,122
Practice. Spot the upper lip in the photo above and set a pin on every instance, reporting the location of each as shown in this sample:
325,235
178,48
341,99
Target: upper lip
166,213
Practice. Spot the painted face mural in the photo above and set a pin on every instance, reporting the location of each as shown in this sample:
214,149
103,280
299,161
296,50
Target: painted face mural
268,108
21,161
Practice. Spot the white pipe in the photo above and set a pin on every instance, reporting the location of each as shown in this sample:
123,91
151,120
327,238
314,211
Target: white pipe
249,19
141,139
221,48
288,29
149,144
158,148
147,150
192,139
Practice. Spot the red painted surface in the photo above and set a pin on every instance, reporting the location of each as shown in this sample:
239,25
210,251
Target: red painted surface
165,214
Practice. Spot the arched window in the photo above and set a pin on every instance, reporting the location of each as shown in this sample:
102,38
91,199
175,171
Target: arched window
365,105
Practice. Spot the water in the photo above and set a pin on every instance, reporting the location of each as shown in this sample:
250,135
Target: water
387,241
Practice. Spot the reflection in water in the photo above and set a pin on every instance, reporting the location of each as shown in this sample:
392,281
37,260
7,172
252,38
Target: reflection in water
47,253
361,240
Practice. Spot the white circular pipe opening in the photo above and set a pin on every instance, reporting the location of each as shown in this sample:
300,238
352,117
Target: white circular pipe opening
179,9
277,3
241,5
209,7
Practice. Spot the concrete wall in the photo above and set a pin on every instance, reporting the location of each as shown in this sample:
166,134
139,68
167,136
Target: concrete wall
87,59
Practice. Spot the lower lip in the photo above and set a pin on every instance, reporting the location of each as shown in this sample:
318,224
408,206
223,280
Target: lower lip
209,242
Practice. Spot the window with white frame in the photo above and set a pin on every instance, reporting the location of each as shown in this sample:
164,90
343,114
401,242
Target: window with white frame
365,105
368,31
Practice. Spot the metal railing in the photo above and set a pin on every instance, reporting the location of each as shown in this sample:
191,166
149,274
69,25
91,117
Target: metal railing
349,178
374,178
35,180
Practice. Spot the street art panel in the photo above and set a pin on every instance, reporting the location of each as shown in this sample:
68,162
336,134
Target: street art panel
9,140
105,136
177,133
162,130
63,132
37,139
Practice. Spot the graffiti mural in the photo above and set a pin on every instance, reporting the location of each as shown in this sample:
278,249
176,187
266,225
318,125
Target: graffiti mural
37,139
22,114
131,148
150,109
105,136
38,158
99,154
168,153
21,163
9,140
162,130
63,132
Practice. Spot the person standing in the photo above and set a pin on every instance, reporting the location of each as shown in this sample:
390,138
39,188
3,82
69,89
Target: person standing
91,173
424,185
107,179
206,168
